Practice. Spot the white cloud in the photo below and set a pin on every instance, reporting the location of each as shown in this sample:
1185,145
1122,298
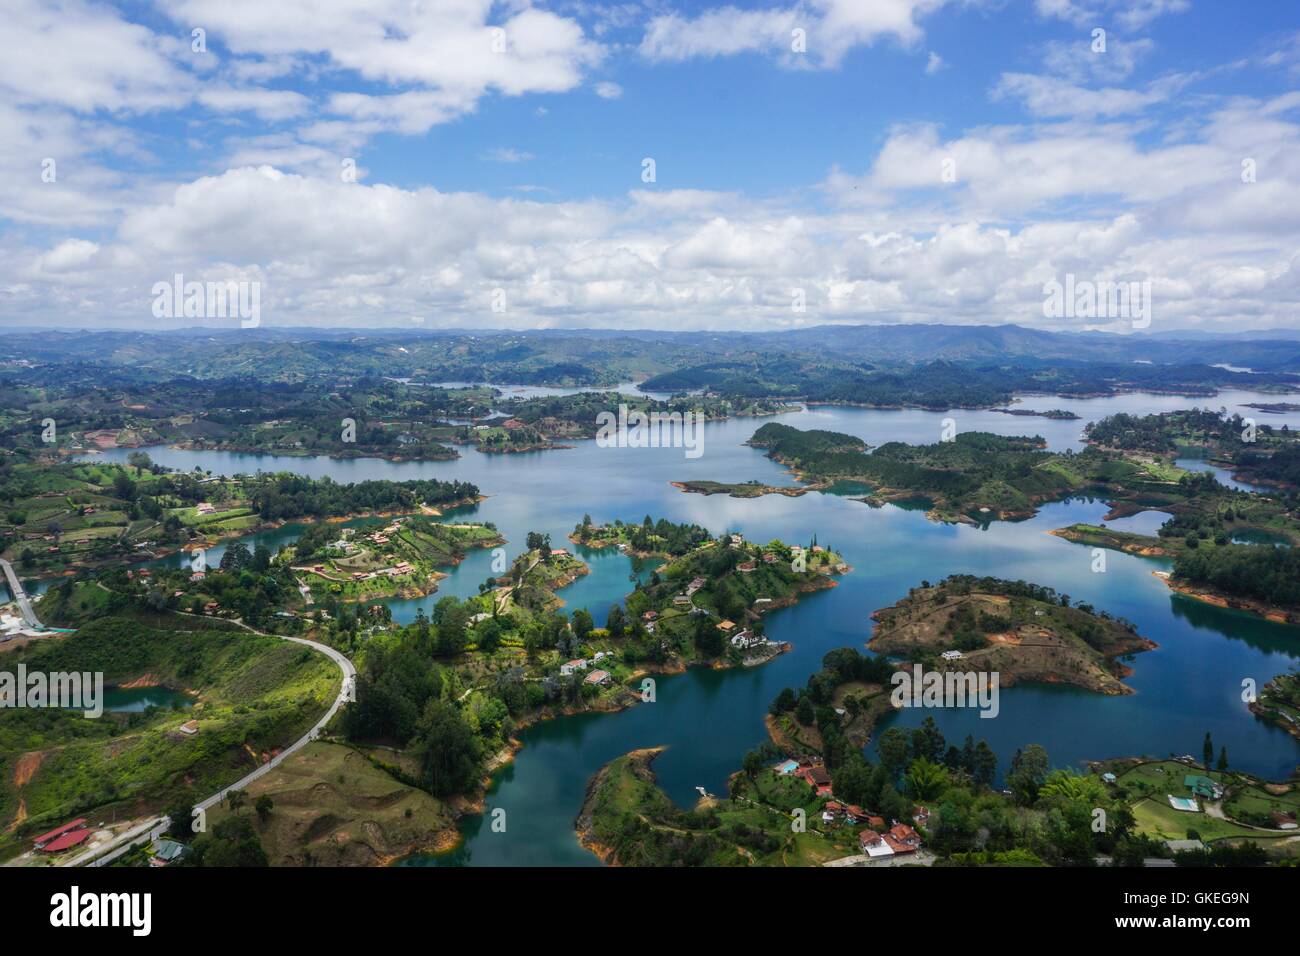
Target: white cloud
1129,14
934,64
505,154
608,91
831,28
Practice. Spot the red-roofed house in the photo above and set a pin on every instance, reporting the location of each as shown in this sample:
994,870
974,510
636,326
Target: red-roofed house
818,779
902,838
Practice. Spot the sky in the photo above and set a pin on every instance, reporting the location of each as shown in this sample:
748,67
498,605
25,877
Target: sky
464,164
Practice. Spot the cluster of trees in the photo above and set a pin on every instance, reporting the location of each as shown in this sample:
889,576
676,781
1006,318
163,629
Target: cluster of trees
1271,575
286,495
661,536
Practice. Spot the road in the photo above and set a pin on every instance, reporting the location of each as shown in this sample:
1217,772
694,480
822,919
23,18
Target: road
344,695
24,605
151,829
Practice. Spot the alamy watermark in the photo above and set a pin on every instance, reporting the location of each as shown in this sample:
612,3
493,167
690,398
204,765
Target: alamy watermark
637,429
922,688
209,300
67,690
1084,299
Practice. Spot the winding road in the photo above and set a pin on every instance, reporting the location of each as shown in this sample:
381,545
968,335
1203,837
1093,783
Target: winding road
151,829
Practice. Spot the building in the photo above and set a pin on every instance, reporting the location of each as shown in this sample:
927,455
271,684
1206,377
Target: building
726,626
649,616
577,664
597,677
1203,786
61,838
817,778
165,851
902,838
1108,778
951,655
873,844
747,639
681,599
189,728
1283,821
204,508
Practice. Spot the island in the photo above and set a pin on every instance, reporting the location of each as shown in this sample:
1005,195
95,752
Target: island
1024,632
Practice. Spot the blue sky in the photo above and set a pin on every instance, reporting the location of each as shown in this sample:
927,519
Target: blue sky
499,149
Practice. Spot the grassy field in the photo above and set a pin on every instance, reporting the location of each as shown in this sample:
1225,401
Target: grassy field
334,807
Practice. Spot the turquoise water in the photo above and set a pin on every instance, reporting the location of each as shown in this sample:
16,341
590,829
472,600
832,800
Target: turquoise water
135,700
1189,685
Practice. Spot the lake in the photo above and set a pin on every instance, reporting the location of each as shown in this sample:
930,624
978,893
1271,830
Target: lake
1189,685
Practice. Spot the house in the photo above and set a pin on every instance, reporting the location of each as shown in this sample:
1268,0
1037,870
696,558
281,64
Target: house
599,678
204,508
681,599
512,423
818,779
198,576
853,813
746,567
876,823
1203,786
951,655
873,844
769,558
832,811
578,664
902,838
737,540
559,552
211,607
1184,846
649,615
817,549
165,851
726,626
189,728
1107,778
1283,821
695,585
921,816
60,838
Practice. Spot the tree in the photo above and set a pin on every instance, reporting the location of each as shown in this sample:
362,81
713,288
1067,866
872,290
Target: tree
784,702
895,751
236,799
1223,758
263,807
1207,751
616,622
447,750
803,712
925,779
487,634
139,460
232,842
582,624
1028,771
753,763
